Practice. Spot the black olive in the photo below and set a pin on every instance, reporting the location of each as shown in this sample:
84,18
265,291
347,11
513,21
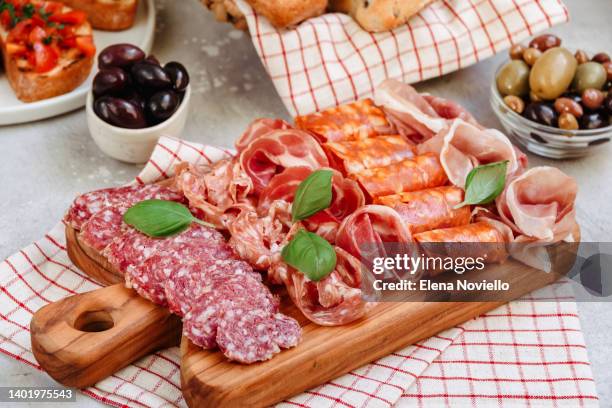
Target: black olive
162,105
607,104
593,120
110,81
542,113
150,77
119,112
136,98
120,55
178,74
152,60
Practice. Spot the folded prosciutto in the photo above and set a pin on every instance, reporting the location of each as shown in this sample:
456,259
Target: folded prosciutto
353,121
539,205
425,210
273,152
463,146
259,128
357,155
421,172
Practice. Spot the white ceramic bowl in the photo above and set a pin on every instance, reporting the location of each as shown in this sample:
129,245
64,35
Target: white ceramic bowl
134,145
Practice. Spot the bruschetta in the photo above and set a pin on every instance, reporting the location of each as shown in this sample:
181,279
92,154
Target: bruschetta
48,48
110,15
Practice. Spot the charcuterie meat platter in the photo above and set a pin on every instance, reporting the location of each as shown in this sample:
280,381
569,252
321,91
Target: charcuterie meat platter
221,247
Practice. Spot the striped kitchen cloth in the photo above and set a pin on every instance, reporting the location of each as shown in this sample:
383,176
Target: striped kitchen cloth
330,60
527,353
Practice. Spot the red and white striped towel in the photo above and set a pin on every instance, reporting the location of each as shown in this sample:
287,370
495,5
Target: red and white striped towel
527,353
330,60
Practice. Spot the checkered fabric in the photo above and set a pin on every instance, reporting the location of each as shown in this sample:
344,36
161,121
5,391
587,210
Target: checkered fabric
527,353
330,60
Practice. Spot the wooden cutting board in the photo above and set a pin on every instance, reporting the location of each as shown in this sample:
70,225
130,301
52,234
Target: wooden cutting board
84,338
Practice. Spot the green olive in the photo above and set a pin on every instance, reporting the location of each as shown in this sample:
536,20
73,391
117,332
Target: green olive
589,75
513,78
552,73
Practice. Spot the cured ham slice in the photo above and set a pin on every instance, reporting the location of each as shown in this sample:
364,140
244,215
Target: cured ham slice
410,113
334,300
357,120
271,154
539,205
259,128
463,146
364,233
481,239
346,198
419,173
354,156
448,109
429,209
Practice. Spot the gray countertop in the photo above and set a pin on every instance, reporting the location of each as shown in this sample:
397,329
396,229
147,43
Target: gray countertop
46,163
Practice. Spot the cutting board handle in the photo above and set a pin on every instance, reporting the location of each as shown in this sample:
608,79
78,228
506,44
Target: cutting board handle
83,339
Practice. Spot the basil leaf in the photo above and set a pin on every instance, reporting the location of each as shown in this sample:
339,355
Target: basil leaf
484,183
160,218
312,195
310,254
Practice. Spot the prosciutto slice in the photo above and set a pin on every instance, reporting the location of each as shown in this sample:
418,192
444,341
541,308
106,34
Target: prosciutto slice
539,205
463,146
429,209
354,156
353,121
270,154
346,198
259,128
448,109
408,111
334,300
363,233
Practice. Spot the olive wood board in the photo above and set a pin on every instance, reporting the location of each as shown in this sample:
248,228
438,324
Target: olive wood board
74,342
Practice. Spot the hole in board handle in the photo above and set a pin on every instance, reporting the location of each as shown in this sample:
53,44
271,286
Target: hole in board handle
94,321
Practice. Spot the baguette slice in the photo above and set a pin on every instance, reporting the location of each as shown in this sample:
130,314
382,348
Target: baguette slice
379,15
109,15
288,13
72,69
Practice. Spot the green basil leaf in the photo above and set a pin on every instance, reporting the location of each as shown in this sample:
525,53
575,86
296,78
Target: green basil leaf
160,218
310,254
312,195
484,183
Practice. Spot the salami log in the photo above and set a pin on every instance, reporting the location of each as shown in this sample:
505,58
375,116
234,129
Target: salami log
430,209
418,173
357,155
357,120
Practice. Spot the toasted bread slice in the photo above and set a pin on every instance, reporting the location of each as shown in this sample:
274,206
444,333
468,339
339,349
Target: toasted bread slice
110,15
69,70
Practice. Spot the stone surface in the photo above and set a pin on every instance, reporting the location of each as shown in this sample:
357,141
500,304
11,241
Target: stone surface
46,163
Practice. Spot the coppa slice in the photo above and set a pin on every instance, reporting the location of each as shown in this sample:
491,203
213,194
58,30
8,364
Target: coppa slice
47,47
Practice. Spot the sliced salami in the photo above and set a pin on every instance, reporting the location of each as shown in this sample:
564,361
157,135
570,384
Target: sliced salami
100,230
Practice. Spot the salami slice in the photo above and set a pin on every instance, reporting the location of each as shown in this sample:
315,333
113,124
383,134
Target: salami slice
101,228
86,205
357,120
419,173
429,209
355,156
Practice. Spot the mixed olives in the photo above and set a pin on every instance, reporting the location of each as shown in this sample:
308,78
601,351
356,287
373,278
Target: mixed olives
133,90
550,85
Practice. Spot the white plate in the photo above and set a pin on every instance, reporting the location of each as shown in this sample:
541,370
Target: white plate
13,111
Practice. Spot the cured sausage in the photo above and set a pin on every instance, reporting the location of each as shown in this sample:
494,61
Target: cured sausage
346,198
334,300
259,128
101,228
539,205
463,146
271,154
354,156
425,210
86,205
418,173
357,120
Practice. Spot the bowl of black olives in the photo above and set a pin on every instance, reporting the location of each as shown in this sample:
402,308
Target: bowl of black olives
554,102
135,100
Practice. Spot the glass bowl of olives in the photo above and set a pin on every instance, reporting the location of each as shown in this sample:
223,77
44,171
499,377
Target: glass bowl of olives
553,102
134,101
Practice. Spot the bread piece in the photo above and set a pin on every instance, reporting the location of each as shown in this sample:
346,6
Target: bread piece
110,15
379,15
288,13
